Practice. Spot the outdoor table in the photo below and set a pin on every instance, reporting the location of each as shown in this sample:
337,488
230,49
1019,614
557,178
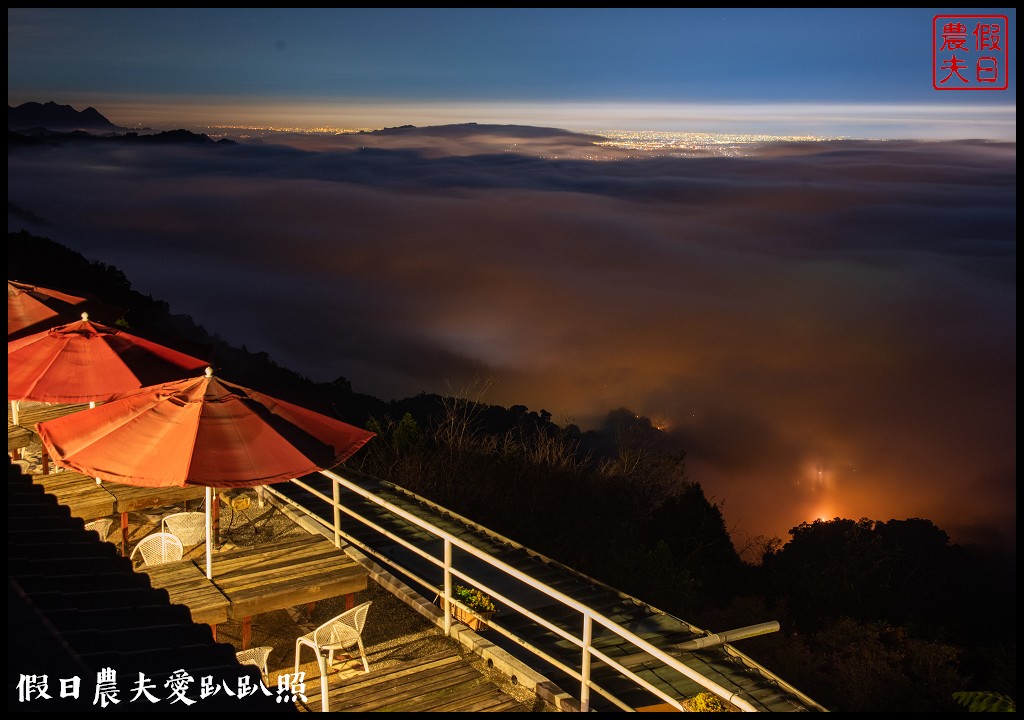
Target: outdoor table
282,574
18,438
31,414
29,417
186,584
264,578
90,500
79,492
131,498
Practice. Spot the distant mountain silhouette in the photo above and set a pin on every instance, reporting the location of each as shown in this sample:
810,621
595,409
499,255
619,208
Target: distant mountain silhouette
45,137
58,118
178,136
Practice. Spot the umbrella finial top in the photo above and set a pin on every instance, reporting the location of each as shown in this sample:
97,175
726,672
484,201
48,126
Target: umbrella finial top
209,372
85,316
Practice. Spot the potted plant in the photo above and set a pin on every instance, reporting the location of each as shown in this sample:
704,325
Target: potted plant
706,702
478,602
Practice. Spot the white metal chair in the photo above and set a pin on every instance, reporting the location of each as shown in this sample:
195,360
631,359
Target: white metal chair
101,527
338,633
189,527
158,548
256,656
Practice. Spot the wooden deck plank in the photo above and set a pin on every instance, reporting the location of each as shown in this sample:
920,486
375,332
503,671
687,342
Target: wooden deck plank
412,692
476,699
437,683
369,681
452,698
456,694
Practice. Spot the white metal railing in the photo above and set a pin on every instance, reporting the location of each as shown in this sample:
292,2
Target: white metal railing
588,616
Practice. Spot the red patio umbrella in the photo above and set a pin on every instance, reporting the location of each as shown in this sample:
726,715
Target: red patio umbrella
85,362
31,308
200,431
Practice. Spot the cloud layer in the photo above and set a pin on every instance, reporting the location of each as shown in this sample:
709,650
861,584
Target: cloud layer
828,328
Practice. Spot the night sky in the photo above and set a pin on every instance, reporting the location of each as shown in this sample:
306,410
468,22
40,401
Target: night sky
848,72
828,329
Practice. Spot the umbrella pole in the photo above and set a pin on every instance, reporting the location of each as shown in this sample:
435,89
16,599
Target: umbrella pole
15,407
209,533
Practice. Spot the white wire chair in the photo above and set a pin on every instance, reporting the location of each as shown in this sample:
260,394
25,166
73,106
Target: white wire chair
189,527
158,548
338,633
101,527
256,656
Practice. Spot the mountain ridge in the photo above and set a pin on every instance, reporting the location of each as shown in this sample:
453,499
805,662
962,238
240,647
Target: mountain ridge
57,118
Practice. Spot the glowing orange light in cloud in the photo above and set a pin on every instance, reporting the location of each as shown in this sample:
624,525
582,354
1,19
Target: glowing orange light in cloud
824,513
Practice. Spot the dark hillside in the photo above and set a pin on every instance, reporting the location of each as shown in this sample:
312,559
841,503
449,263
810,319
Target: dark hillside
59,118
875,616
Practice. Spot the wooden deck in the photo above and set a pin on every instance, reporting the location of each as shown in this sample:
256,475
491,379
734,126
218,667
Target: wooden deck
298,571
246,581
439,683
76,609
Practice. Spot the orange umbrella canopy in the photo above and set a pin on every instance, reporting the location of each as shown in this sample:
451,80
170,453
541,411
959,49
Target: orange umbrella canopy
88,362
201,431
31,308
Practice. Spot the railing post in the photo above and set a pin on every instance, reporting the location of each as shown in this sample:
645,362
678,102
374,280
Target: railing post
336,487
447,586
588,636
